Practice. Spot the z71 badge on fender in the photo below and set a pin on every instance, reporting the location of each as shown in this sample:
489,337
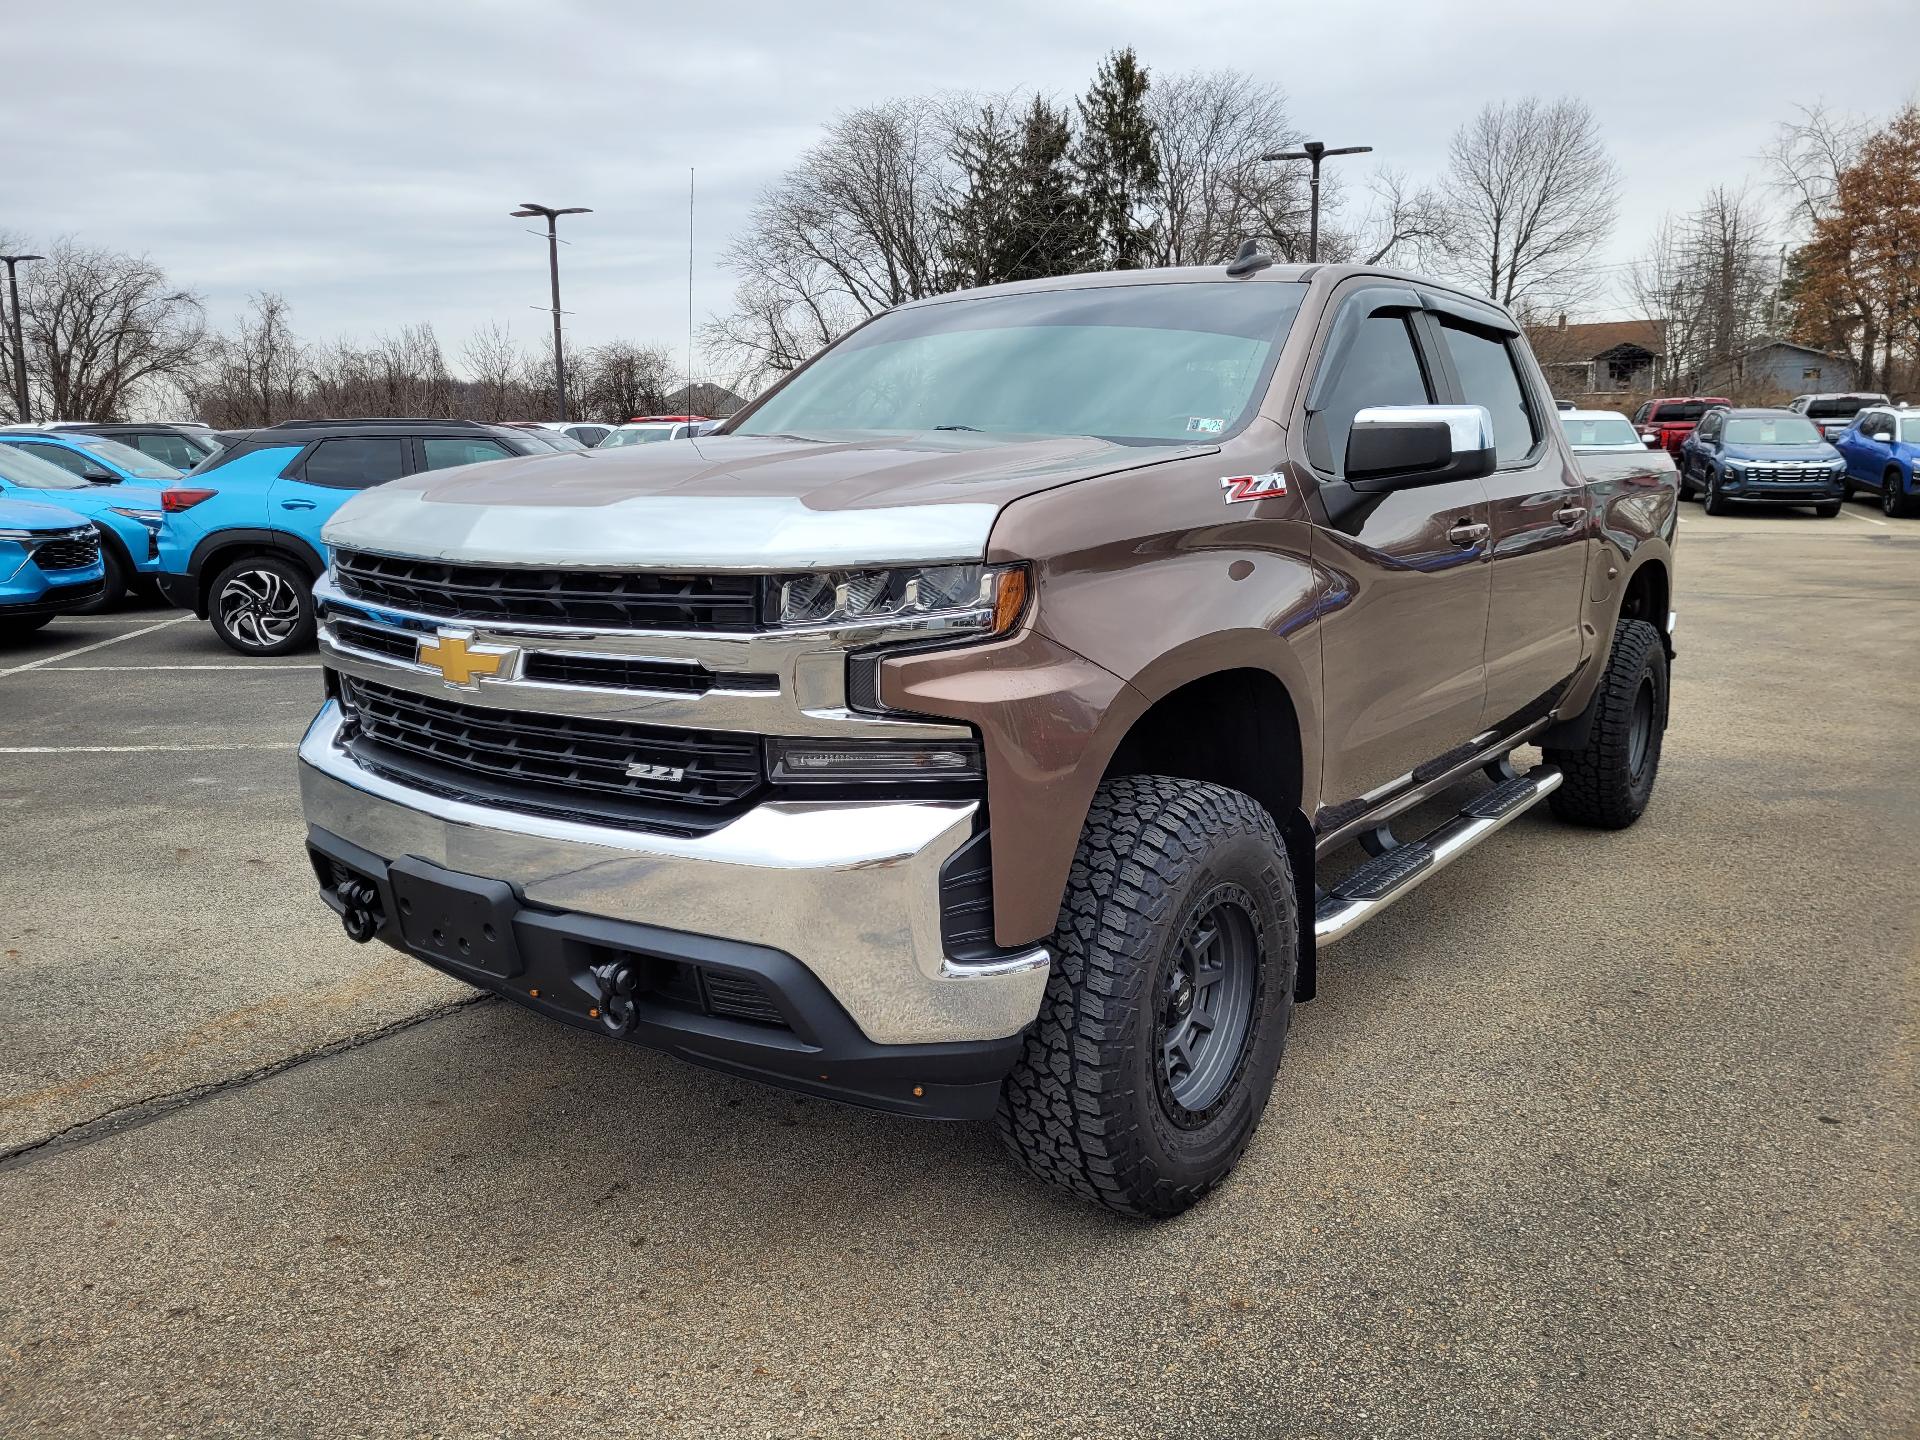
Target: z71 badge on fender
1253,487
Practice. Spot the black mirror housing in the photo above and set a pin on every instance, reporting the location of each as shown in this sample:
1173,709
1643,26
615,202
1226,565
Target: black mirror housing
1399,447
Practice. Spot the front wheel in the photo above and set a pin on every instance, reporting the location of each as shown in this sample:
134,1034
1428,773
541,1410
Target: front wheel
1167,1007
262,605
1607,783
1827,511
113,589
1710,497
1895,503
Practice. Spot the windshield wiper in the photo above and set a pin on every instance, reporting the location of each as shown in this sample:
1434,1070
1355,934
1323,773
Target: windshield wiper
975,428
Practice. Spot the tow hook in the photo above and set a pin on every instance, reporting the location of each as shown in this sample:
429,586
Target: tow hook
619,979
358,900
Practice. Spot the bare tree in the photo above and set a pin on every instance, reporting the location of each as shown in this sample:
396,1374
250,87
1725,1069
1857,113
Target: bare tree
853,229
621,380
496,368
1212,127
1405,224
102,329
1708,277
1807,157
1533,195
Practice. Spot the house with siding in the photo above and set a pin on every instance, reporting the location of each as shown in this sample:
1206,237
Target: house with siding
1775,363
1605,357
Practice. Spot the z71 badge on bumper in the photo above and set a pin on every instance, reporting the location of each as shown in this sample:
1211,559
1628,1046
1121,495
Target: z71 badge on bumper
1253,487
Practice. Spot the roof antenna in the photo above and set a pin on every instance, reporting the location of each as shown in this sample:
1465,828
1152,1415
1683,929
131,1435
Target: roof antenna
1250,259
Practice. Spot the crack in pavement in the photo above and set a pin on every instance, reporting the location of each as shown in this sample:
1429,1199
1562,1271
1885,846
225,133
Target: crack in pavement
137,1113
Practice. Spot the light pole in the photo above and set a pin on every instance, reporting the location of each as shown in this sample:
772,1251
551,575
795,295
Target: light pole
528,208
1315,151
20,398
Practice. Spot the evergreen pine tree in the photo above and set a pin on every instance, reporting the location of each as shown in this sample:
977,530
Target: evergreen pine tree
1118,161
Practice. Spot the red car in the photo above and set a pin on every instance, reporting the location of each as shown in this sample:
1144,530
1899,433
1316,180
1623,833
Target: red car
1666,421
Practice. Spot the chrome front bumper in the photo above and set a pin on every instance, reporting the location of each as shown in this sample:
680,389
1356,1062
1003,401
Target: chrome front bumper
849,889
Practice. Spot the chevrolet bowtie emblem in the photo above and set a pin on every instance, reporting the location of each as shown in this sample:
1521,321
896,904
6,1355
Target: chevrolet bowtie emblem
459,661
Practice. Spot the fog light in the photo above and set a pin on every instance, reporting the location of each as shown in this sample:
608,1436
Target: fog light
830,762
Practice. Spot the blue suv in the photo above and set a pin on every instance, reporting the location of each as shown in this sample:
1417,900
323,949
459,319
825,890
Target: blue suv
94,458
1882,451
242,546
128,516
49,565
1761,457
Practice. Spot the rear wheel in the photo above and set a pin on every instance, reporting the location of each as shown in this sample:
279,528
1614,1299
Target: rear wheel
263,605
1894,501
1607,782
1167,1007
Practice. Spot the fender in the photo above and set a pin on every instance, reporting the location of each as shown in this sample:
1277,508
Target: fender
245,538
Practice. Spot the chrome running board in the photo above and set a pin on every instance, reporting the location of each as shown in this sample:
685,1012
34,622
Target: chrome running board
1400,869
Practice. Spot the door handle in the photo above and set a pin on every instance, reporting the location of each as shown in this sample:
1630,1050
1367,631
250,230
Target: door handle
1469,533
296,504
1570,514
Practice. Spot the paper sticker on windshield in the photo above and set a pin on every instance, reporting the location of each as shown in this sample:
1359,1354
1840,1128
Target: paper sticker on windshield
1205,425
1253,487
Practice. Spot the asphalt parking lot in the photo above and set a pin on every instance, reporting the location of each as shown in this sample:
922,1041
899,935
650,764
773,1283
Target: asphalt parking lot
1597,1135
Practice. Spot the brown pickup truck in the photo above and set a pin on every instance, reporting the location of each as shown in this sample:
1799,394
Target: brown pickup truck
997,717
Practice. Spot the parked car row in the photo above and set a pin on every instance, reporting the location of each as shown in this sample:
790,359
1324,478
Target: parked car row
236,539
1817,451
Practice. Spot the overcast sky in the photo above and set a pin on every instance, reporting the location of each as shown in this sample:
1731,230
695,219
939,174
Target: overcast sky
362,158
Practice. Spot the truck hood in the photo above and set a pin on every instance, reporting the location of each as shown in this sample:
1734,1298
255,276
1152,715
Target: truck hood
748,502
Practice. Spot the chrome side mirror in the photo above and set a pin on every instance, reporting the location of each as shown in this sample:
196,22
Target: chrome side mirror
1398,447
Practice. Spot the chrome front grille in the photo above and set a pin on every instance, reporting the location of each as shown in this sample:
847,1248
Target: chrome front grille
1786,474
554,764
526,595
77,550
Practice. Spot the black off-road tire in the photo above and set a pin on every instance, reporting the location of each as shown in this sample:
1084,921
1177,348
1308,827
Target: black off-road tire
1607,783
1711,500
1828,511
1088,1106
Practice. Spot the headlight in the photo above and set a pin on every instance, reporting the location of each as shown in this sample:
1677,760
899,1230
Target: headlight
982,599
21,534
150,518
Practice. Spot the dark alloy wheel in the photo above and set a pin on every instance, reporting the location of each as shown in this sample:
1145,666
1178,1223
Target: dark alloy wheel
1168,1000
1207,994
1895,503
262,605
1711,499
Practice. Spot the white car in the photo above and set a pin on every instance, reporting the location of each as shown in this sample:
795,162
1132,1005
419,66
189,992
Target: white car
587,432
649,432
1589,431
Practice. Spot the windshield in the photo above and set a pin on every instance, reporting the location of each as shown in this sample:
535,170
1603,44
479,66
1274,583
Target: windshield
1679,413
1611,430
635,435
1140,364
126,457
1772,430
34,473
1838,407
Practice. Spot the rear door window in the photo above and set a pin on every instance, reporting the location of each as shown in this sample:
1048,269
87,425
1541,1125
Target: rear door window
1485,365
170,448
446,454
355,464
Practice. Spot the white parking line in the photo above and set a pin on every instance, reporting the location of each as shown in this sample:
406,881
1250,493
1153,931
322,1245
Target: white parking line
96,645
1858,516
137,749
